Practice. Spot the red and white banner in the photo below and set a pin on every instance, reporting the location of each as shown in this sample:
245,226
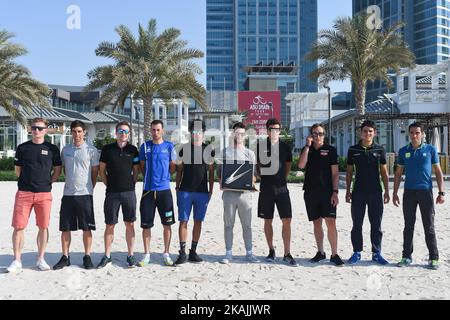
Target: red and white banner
260,106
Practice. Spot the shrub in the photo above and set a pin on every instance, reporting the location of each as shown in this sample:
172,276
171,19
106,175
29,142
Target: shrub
7,164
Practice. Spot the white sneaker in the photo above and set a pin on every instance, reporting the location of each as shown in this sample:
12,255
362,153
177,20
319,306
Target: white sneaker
42,265
14,266
251,258
167,260
227,259
145,260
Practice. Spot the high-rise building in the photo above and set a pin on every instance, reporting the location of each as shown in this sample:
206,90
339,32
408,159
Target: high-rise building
242,33
427,29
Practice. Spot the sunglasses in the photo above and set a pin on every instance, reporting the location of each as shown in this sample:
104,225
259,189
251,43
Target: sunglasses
197,132
34,128
275,129
318,134
123,131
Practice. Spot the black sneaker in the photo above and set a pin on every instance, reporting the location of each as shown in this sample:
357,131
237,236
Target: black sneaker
132,262
271,256
103,263
87,262
289,260
337,261
318,257
63,262
193,257
181,258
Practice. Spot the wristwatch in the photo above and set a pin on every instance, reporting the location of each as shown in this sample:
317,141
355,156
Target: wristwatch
442,194
336,191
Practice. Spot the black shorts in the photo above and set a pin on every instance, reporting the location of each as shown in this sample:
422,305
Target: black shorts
156,199
113,202
77,213
271,196
318,205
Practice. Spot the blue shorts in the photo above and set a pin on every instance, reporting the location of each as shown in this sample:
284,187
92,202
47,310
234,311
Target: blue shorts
187,200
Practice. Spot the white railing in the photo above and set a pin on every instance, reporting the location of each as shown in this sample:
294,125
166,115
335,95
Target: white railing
426,95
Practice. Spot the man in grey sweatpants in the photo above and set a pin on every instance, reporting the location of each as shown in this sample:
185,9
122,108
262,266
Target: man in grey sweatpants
239,201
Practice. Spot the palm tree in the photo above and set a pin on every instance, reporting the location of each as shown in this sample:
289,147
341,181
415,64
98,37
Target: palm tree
145,68
17,87
353,51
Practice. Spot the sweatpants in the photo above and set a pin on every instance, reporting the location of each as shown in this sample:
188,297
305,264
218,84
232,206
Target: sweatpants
241,202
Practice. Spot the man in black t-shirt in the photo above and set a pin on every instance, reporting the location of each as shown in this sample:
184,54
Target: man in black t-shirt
119,169
34,162
195,171
274,158
321,190
369,161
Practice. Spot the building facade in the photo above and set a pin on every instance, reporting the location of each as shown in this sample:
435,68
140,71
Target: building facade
242,33
427,30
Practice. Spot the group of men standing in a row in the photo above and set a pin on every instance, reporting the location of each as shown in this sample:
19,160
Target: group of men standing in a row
38,164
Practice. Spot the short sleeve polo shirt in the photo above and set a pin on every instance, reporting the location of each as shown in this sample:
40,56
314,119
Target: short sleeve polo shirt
119,166
367,161
418,166
157,158
318,175
78,163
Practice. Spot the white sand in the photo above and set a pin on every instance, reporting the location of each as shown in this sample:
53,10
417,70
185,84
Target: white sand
239,280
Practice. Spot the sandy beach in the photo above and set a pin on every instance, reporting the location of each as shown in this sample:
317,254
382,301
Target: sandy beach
238,280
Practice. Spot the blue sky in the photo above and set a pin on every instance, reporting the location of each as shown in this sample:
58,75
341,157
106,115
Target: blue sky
59,55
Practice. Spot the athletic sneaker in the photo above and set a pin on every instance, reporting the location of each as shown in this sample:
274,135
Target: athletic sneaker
193,257
271,256
250,257
356,256
433,264
227,259
337,260
318,257
104,262
132,262
87,262
181,258
63,262
404,262
289,260
145,261
167,260
42,265
378,258
14,266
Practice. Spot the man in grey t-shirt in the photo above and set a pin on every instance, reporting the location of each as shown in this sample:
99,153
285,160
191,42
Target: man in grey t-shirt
81,162
239,201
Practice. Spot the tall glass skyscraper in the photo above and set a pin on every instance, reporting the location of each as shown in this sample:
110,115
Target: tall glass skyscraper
427,29
243,33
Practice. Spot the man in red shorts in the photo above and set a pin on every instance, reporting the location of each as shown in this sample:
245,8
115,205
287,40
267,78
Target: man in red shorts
38,165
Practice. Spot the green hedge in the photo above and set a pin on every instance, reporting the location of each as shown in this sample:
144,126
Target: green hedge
7,164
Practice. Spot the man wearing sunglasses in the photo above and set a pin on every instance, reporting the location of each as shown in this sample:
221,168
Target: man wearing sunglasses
119,170
80,162
274,163
34,162
321,190
195,172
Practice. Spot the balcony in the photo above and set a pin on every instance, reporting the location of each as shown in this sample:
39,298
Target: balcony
425,96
